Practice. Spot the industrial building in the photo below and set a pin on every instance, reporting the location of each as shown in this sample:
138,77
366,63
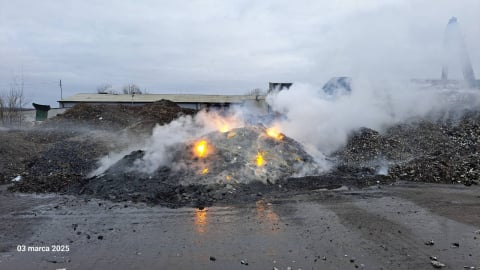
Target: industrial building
191,101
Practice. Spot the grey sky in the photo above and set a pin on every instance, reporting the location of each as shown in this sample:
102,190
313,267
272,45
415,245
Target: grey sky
222,46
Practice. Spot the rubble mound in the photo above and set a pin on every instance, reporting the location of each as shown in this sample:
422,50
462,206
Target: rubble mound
115,117
423,151
231,159
369,146
17,146
62,164
12,143
51,156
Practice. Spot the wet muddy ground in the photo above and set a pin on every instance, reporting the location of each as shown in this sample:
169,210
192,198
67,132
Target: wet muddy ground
380,227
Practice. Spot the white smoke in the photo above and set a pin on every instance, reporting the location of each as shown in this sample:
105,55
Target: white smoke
110,159
181,130
383,169
322,123
156,149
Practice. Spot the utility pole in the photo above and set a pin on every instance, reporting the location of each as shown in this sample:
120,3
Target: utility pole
22,82
61,90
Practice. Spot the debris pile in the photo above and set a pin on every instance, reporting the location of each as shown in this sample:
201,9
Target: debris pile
424,151
51,156
62,164
115,117
18,146
242,155
227,163
209,167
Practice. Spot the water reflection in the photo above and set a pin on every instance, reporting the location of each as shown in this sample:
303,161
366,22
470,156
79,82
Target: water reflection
266,214
201,219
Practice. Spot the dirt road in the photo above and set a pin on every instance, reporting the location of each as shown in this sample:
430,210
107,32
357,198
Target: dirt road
375,228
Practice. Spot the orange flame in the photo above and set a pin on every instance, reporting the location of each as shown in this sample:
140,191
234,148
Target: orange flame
205,171
200,149
260,160
223,123
217,121
224,128
274,133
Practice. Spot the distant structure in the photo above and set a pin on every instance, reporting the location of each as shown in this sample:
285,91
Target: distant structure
455,46
455,50
41,111
276,86
338,86
192,101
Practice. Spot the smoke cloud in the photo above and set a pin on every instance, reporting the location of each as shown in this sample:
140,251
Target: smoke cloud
322,123
319,121
380,57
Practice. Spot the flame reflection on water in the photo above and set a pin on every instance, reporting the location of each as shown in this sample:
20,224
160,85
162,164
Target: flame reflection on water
266,214
201,219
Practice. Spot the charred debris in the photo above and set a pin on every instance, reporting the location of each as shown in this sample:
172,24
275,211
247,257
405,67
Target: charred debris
241,164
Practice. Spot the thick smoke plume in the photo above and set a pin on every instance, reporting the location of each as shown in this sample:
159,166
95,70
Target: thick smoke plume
322,122
319,121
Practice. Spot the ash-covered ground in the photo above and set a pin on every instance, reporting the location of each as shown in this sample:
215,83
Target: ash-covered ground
61,154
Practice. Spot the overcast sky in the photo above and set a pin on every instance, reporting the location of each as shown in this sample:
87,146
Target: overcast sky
209,46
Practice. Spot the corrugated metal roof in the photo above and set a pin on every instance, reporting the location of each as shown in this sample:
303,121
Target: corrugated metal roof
178,98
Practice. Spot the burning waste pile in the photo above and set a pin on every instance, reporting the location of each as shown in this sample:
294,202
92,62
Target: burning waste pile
241,155
179,167
369,136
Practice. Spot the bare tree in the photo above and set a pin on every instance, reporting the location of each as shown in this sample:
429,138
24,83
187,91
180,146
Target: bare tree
12,103
106,89
256,91
2,108
132,89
